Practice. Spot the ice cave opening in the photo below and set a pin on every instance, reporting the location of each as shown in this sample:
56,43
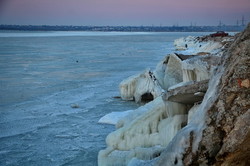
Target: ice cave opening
147,97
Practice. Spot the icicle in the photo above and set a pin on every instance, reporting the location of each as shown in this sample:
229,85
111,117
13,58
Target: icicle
154,124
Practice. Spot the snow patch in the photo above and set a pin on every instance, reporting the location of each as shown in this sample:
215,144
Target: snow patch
185,42
114,117
192,45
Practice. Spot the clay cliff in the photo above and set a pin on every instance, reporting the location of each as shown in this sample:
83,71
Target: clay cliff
225,137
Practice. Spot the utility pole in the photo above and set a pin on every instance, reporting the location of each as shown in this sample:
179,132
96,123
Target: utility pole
220,23
243,21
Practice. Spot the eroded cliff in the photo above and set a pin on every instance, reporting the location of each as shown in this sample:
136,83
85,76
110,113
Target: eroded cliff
225,137
203,118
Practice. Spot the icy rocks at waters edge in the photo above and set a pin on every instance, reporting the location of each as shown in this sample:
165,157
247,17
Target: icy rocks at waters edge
198,110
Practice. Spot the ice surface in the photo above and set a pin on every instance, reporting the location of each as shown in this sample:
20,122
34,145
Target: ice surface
123,158
114,117
175,149
137,162
185,43
180,84
154,105
195,69
192,111
134,87
154,124
169,71
192,45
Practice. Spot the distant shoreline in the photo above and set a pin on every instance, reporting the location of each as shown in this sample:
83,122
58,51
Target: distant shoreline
230,28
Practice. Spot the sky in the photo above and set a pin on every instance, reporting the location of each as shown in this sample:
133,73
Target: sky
124,12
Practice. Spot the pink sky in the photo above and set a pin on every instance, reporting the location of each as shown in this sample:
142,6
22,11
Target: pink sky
123,12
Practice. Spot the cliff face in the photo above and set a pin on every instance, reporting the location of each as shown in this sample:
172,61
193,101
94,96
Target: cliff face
224,138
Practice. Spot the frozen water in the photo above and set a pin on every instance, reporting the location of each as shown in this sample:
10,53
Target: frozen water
43,73
114,117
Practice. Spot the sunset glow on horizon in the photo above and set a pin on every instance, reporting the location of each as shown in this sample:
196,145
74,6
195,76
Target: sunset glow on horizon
123,12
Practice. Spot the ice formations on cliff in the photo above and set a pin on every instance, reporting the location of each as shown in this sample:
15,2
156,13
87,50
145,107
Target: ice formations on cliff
140,86
192,111
195,70
193,131
185,42
152,125
199,68
193,45
168,72
144,133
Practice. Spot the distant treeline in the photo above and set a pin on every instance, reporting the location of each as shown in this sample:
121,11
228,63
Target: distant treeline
231,28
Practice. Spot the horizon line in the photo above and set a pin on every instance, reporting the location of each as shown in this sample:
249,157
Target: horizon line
175,25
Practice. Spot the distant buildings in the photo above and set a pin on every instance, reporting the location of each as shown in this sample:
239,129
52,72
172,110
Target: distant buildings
191,28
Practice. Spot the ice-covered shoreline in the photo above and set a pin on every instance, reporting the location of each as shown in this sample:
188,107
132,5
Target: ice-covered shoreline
143,134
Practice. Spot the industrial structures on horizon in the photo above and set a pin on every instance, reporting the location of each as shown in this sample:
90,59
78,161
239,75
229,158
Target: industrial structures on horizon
174,28
240,25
